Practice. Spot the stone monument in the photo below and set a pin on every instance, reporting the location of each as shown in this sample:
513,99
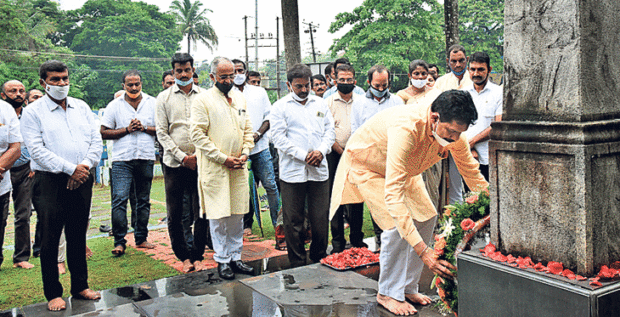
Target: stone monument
555,157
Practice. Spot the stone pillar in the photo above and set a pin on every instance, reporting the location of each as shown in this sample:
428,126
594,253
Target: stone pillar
555,157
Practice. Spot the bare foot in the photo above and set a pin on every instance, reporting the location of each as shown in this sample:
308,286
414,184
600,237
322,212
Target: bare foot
89,294
396,307
199,266
187,266
61,268
57,304
418,298
23,265
89,253
118,250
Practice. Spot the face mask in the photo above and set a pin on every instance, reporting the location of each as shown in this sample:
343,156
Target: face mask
378,93
346,88
183,83
443,142
224,88
297,98
57,92
239,79
459,73
418,83
14,103
132,96
332,82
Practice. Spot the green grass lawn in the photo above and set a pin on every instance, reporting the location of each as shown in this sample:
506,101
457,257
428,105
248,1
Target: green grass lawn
24,287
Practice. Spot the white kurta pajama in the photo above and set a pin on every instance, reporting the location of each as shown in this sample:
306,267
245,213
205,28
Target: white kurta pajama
218,130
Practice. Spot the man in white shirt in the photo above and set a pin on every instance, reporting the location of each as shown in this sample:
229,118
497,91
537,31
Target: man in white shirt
14,93
303,133
457,78
259,107
64,144
130,122
488,99
377,99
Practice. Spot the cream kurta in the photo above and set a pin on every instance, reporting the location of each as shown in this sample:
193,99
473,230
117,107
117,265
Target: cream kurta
382,166
218,130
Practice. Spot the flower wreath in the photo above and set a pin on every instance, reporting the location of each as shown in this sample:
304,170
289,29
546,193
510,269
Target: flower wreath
459,224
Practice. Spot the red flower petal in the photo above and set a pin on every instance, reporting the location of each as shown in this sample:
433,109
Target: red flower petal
555,267
580,278
511,259
539,267
567,272
595,284
467,224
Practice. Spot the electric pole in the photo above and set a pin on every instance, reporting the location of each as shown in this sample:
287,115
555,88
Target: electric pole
311,29
245,20
278,56
256,40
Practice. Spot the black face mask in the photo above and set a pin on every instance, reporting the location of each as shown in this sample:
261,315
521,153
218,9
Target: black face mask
224,88
345,88
14,103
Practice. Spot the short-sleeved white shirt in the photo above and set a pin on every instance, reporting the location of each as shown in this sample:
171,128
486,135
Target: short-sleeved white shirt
9,133
137,145
488,105
258,107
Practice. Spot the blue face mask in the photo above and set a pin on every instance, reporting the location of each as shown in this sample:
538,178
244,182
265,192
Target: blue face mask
378,93
459,73
183,83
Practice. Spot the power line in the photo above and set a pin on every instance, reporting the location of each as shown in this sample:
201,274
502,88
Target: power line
119,58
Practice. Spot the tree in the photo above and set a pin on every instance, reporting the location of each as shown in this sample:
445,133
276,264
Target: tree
129,35
451,18
482,29
194,24
290,26
392,33
24,43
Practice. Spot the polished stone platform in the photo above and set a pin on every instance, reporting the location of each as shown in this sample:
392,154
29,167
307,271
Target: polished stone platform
315,291
489,288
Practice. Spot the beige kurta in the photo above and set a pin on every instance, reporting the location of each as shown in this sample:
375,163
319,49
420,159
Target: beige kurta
382,166
218,130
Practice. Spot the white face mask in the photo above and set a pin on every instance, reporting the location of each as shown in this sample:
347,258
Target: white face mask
57,92
239,79
443,142
418,83
297,98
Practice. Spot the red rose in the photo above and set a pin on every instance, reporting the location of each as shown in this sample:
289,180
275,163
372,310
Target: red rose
472,199
467,224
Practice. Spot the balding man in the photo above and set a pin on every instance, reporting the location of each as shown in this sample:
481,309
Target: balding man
221,130
14,93
33,95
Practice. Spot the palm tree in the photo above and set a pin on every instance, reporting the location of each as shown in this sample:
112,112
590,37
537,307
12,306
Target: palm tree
194,23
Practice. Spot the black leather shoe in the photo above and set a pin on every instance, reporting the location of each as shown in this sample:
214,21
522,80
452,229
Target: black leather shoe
225,271
240,267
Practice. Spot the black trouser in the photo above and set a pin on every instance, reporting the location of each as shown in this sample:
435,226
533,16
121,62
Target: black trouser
22,203
59,207
4,214
354,212
180,182
293,201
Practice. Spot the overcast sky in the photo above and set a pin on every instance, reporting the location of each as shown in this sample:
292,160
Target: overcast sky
227,20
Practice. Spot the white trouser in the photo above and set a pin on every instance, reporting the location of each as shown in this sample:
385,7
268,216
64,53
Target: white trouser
401,267
227,236
455,193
